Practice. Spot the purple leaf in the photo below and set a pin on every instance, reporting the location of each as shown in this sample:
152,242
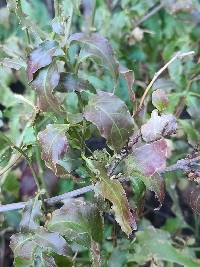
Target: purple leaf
44,84
112,118
151,158
100,48
54,145
41,57
158,126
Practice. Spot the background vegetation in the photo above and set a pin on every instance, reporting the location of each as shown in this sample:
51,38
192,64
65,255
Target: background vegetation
48,148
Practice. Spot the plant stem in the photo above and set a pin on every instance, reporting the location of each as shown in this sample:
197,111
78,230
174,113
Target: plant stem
179,55
49,201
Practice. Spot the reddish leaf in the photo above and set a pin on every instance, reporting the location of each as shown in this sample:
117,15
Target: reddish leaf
158,126
44,84
41,57
151,158
112,118
54,145
100,48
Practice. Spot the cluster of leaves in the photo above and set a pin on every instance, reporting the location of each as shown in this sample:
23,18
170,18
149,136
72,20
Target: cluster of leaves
77,91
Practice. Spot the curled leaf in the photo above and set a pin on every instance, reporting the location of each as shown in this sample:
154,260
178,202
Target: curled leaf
158,126
54,145
112,118
41,57
101,48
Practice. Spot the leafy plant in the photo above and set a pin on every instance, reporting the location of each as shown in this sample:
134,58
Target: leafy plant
76,91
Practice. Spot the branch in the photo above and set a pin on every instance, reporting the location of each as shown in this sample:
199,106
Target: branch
150,14
182,164
178,55
49,201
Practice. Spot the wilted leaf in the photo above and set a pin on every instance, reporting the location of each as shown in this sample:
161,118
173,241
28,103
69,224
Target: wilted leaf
42,56
151,158
156,244
112,118
129,77
44,84
54,145
158,126
192,196
160,99
78,221
100,47
31,215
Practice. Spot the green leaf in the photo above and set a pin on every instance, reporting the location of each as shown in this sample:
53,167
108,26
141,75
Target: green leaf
44,84
113,191
70,82
129,77
100,47
31,215
54,145
155,244
112,118
23,248
160,99
51,242
42,56
78,221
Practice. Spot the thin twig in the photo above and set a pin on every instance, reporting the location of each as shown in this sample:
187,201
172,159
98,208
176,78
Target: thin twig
178,55
150,14
183,164
49,201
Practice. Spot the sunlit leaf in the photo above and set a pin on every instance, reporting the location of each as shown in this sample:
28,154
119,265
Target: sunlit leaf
112,118
54,145
78,221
